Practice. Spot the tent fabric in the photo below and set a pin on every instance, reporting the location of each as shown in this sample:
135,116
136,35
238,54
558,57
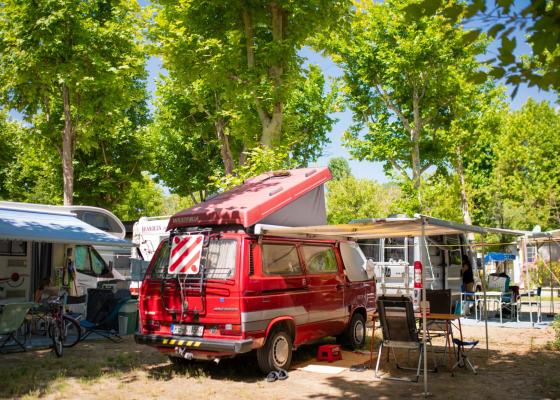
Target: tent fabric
379,228
268,198
494,256
52,227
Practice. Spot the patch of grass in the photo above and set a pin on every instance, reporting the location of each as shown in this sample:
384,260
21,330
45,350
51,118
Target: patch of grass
555,343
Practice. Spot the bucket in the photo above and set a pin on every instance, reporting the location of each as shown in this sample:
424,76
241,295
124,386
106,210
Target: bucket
123,325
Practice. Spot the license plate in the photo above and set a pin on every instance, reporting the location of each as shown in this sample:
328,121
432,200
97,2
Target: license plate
187,330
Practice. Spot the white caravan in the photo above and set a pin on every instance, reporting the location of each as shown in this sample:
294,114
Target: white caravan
393,260
147,233
39,242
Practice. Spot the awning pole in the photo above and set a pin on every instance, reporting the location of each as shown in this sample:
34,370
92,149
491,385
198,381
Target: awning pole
423,304
484,283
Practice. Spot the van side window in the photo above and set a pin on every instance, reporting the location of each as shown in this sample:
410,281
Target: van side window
97,263
82,261
319,259
280,259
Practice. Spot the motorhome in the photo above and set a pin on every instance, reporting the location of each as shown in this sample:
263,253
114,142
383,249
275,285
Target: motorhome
49,243
147,234
218,287
441,258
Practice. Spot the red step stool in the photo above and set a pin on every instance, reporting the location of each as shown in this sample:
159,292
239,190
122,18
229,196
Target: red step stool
329,352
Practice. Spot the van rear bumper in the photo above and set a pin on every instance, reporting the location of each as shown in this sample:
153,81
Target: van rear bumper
195,343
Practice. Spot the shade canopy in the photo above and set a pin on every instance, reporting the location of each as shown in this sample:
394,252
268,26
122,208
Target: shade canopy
379,228
52,227
494,256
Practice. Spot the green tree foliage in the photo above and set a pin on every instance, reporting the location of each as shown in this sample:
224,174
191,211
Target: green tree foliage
402,81
236,82
538,20
75,70
8,149
351,198
340,168
525,184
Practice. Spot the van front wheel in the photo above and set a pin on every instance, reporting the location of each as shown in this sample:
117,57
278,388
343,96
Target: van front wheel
355,336
276,353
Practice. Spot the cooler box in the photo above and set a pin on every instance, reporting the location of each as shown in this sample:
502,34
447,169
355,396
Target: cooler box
128,317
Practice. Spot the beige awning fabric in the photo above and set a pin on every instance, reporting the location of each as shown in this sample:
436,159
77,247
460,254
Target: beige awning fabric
379,228
544,237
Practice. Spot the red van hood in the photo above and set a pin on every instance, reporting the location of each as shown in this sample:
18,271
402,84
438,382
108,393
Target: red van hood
257,198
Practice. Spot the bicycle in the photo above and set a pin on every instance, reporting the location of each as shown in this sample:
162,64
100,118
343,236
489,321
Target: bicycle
64,330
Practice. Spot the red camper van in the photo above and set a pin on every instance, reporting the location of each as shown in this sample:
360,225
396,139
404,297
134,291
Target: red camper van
217,287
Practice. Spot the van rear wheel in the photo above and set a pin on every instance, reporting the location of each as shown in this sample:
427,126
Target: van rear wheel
277,351
355,335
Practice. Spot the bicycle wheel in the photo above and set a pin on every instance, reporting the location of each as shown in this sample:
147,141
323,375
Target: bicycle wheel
56,335
72,332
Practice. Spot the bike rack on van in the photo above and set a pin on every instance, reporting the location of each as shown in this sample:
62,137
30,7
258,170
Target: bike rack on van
194,284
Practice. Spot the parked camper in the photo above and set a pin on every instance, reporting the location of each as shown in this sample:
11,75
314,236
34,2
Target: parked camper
217,287
147,234
441,258
38,243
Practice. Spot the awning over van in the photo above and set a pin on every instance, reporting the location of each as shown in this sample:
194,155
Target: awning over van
52,227
380,228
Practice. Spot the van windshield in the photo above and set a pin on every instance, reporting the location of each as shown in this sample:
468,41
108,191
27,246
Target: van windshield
218,259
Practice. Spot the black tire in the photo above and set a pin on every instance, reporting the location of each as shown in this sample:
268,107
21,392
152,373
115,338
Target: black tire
56,336
355,335
276,353
72,331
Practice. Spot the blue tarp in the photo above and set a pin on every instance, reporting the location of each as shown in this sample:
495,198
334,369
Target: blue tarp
493,256
52,227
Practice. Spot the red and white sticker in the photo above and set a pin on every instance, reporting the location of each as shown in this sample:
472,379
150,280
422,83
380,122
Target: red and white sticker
185,254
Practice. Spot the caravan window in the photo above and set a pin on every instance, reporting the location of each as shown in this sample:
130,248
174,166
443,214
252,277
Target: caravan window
13,247
394,249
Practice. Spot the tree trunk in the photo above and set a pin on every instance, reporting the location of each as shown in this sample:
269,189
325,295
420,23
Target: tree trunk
467,219
271,122
68,139
225,150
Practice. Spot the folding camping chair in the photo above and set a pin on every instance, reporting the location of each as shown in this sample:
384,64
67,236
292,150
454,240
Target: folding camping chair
12,317
104,321
398,325
531,298
463,350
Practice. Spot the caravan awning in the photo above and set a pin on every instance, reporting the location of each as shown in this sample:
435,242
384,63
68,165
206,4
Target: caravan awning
493,256
379,228
53,227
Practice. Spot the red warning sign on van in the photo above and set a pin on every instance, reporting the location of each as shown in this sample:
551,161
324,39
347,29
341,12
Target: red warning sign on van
186,251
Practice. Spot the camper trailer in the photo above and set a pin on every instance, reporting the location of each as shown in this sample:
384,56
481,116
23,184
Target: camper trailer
218,287
147,234
38,243
393,263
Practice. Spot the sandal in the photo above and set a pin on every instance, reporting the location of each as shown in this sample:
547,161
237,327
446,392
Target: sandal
272,376
282,374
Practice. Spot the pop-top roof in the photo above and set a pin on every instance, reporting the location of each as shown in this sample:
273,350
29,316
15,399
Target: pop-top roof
261,197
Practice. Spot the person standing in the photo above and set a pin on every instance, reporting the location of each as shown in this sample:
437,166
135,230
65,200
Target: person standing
467,274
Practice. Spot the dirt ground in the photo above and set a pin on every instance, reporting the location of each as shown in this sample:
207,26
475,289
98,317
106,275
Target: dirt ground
518,366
